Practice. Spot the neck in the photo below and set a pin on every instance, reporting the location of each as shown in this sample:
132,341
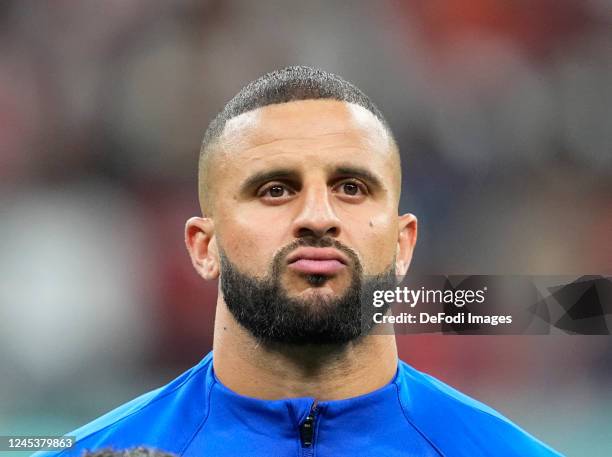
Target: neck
323,372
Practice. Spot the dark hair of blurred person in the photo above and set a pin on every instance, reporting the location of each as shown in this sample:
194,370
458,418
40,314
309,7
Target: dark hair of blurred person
132,452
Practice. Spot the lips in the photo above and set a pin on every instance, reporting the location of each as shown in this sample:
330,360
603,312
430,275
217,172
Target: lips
323,261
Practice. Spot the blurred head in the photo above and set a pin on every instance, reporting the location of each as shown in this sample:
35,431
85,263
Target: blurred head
299,188
134,452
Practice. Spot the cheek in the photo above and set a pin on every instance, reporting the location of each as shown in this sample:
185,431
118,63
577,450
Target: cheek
249,241
379,243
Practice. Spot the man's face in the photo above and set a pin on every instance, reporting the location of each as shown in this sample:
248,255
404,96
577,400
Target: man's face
304,200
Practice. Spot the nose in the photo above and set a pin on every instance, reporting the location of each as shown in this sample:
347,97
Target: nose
316,216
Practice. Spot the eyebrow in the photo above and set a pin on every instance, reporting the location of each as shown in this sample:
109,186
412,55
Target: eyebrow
262,177
288,174
359,172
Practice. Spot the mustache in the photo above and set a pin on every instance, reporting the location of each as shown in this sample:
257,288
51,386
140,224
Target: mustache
317,242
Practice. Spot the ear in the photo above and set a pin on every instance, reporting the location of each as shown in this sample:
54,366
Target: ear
407,237
199,234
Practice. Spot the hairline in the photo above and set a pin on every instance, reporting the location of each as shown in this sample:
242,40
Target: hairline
211,149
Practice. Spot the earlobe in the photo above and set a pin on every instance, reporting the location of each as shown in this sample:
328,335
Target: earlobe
199,239
407,237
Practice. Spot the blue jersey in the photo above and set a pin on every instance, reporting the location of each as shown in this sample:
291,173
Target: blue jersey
414,415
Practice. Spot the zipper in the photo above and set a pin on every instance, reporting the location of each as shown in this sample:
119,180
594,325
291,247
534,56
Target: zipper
307,430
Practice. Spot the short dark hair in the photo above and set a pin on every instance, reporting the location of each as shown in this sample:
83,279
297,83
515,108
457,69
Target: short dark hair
288,85
283,86
133,452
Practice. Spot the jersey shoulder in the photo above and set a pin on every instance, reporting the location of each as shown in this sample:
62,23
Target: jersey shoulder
141,421
458,425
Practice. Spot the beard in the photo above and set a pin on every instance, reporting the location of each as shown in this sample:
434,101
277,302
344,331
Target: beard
263,307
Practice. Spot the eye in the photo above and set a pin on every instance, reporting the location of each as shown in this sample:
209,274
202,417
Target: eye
351,188
275,191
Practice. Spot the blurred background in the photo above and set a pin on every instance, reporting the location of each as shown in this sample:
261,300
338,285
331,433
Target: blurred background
502,110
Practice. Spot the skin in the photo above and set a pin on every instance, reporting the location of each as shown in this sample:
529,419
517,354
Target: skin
312,142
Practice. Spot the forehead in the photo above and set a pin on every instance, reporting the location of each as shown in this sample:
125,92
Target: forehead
309,136
328,123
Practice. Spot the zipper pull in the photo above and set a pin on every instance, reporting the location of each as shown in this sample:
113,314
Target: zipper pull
307,427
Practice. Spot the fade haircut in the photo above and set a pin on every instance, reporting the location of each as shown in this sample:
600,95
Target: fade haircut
283,86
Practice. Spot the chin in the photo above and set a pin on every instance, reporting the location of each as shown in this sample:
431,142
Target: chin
318,294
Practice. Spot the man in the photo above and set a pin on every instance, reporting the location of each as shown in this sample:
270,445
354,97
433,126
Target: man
299,187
